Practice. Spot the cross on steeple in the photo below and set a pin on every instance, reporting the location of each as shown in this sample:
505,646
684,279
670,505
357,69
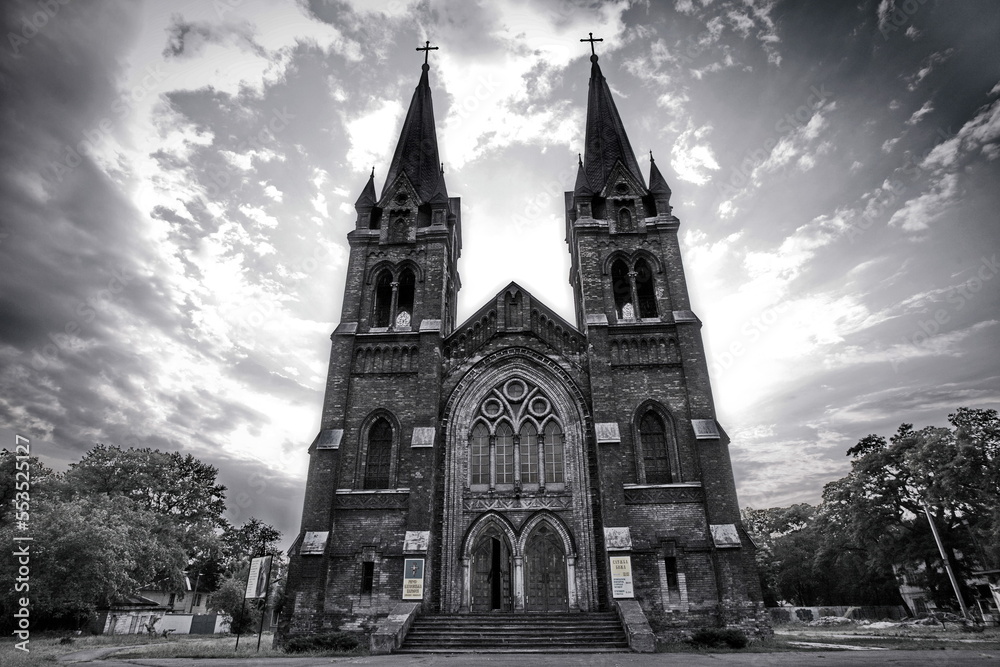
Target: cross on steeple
427,48
593,52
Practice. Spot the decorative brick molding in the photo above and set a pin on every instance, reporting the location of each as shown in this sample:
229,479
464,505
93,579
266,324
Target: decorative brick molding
546,502
659,495
390,500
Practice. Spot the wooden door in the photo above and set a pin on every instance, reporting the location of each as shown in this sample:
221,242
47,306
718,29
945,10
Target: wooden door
491,583
545,572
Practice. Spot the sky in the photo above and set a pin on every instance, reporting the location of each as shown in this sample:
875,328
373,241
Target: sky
177,182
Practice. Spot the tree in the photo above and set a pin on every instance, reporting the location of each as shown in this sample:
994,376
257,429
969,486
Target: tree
181,491
40,478
244,615
955,473
85,553
801,558
254,538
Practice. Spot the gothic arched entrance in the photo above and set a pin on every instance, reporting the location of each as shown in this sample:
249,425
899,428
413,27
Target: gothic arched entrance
545,572
491,573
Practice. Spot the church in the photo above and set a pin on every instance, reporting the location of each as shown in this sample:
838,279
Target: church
517,465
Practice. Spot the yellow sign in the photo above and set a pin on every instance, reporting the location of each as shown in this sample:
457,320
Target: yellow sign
621,577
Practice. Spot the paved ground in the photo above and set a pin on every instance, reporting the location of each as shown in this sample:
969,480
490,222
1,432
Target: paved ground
961,658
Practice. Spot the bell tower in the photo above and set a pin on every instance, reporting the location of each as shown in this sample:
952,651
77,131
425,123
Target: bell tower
662,458
371,471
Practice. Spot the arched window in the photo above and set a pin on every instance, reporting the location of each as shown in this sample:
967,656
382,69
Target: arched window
620,286
644,289
505,454
404,300
624,220
378,460
383,299
655,449
479,456
529,453
555,472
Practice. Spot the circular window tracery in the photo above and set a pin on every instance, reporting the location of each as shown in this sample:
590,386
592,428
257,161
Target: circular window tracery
492,408
515,390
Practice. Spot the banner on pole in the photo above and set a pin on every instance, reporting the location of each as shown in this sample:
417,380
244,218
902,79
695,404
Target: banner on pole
260,571
413,579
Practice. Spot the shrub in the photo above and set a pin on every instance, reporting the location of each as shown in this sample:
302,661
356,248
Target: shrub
334,641
719,638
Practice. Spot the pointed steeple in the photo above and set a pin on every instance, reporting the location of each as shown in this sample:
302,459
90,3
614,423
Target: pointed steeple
606,140
582,188
416,152
657,184
367,198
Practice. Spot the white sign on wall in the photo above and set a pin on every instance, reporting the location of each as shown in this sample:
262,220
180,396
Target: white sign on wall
413,579
621,577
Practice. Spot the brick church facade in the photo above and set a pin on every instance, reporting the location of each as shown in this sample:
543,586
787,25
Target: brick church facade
516,462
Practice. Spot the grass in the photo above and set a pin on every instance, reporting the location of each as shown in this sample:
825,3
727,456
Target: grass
45,648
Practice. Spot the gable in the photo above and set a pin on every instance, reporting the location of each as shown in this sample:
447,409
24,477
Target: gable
513,310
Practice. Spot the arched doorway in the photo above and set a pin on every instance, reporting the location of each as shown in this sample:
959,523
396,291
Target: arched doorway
545,572
491,573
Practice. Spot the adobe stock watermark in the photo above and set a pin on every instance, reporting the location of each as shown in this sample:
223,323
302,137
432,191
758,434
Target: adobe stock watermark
33,23
71,156
22,541
898,16
253,319
787,124
68,340
750,333
221,176
958,297
542,201
892,190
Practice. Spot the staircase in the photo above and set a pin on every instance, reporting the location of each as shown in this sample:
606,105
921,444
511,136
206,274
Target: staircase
593,632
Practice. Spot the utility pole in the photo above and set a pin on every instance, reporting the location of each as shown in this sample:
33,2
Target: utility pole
947,563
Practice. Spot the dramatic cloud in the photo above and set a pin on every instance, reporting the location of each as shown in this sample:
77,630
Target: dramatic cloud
178,183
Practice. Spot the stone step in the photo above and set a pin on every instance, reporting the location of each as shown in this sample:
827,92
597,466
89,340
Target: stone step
516,633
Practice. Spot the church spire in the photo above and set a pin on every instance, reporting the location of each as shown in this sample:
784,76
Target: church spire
606,140
416,152
367,199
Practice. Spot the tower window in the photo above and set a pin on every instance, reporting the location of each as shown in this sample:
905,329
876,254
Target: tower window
655,452
621,286
379,457
644,291
383,299
625,221
404,299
